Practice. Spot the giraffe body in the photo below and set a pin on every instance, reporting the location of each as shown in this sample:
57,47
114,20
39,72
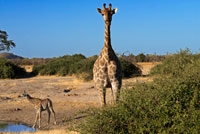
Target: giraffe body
107,69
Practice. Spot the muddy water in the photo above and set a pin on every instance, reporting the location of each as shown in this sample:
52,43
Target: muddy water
14,127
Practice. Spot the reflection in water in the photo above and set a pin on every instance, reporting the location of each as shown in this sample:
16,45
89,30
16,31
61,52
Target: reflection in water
3,125
14,128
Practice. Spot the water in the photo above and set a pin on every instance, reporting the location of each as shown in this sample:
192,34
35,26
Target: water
11,127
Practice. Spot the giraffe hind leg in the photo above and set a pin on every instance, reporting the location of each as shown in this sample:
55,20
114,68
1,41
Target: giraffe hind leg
113,98
54,115
102,94
115,91
52,111
49,115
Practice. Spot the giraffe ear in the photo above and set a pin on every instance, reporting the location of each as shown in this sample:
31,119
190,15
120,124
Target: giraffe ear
99,10
115,10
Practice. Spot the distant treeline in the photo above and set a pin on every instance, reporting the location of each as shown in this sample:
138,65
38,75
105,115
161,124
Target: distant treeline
143,58
76,64
33,61
130,58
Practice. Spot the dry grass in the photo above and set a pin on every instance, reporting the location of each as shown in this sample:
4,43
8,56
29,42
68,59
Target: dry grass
72,83
147,66
28,68
44,132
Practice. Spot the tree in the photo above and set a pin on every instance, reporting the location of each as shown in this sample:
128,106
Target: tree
140,57
5,44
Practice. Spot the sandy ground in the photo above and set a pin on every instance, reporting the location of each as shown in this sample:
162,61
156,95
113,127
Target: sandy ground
70,98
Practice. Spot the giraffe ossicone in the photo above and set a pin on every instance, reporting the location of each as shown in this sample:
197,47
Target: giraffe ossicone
107,68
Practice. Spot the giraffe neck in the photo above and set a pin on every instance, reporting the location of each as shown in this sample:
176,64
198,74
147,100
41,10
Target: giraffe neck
107,40
29,98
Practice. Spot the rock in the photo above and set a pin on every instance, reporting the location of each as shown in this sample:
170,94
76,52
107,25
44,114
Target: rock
67,90
17,109
19,96
5,98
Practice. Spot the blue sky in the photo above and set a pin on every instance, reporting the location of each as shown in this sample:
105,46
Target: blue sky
52,28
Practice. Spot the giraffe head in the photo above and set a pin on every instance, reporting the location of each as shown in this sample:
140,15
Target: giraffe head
107,13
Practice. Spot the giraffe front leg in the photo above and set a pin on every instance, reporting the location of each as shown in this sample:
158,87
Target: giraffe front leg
40,118
36,118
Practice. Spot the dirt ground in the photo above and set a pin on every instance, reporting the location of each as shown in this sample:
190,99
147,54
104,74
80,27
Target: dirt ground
70,98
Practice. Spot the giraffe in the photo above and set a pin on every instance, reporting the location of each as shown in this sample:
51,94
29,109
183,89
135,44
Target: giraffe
107,68
40,106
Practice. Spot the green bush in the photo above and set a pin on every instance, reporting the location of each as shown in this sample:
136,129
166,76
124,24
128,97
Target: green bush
58,66
10,70
85,68
129,69
176,63
165,106
80,66
140,57
169,104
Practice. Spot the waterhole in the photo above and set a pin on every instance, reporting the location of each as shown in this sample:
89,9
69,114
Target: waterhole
14,127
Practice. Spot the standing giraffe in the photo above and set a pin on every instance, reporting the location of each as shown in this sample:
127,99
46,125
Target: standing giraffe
107,68
40,106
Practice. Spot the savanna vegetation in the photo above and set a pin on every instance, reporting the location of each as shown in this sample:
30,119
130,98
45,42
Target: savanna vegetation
7,68
76,64
127,57
10,70
168,104
80,66
143,58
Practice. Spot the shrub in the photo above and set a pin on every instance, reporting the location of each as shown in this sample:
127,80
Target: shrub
164,106
141,57
81,66
129,69
85,68
176,63
10,70
58,66
169,104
